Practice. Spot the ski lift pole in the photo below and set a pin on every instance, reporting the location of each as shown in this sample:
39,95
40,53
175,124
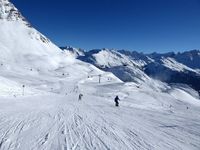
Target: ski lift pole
23,87
100,78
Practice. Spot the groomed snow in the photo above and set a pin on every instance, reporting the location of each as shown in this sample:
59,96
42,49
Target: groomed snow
51,117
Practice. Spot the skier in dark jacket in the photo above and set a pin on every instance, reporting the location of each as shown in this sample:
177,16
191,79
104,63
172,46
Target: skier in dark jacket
80,97
117,101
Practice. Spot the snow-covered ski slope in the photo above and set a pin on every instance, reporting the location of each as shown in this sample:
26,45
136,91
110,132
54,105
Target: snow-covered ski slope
45,114
51,117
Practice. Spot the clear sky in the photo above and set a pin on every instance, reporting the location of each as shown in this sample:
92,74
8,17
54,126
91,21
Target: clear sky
142,25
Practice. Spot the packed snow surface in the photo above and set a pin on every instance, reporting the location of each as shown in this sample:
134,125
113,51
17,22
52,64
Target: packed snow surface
49,115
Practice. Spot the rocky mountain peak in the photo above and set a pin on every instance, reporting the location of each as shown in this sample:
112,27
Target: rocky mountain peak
10,13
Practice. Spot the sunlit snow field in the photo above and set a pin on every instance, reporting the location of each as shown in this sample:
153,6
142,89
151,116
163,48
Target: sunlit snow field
49,115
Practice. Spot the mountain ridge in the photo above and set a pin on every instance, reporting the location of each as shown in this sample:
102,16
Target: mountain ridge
170,67
10,13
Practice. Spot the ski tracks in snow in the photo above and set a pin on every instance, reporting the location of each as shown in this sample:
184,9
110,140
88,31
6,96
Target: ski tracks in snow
63,123
67,127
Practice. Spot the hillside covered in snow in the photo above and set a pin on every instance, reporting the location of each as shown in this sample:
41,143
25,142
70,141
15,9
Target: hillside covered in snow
172,68
40,86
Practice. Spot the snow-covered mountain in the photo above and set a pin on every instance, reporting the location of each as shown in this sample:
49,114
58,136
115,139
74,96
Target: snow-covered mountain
131,65
175,68
16,37
172,67
9,12
119,64
40,85
26,54
23,45
188,58
75,52
112,61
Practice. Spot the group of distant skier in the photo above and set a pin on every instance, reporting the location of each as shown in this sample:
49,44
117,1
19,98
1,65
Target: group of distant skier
116,100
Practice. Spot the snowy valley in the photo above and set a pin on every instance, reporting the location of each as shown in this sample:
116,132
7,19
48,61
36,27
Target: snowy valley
40,85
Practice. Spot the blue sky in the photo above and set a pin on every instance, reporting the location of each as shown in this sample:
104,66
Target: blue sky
142,25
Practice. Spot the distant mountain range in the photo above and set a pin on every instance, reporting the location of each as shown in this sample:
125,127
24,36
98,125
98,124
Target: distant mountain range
181,67
34,50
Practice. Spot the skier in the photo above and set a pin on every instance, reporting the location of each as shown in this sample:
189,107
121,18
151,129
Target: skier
80,97
117,101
